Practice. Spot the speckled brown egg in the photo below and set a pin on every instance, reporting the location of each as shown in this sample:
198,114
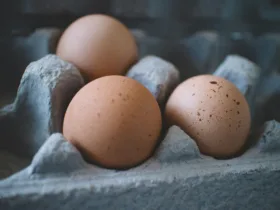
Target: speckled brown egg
114,121
213,112
98,45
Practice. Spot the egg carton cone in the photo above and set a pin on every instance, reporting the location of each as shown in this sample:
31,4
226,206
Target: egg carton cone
40,169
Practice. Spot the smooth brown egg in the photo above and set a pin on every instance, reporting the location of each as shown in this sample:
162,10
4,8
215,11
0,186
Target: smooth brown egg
114,121
212,111
98,45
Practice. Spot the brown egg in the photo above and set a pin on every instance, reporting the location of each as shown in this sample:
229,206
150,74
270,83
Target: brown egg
212,111
114,121
98,45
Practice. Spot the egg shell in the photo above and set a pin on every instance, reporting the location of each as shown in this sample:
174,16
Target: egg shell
213,112
114,121
98,45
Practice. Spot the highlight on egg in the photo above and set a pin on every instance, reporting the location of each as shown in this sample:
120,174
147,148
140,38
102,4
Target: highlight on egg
98,45
213,112
114,121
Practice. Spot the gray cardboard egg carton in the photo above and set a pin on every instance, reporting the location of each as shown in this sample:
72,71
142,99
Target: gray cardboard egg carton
39,169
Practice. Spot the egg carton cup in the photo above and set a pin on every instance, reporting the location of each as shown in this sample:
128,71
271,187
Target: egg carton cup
54,175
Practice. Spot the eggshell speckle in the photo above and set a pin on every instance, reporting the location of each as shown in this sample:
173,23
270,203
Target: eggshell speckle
212,111
114,121
98,45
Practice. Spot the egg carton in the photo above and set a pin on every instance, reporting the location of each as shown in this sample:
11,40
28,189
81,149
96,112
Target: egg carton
41,170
